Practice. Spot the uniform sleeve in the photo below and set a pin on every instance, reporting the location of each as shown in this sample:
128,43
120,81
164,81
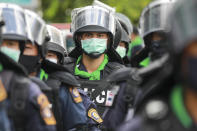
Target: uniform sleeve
73,112
93,124
35,121
134,124
4,121
38,112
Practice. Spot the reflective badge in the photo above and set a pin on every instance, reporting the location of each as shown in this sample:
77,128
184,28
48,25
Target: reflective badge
45,110
111,96
3,93
75,94
92,113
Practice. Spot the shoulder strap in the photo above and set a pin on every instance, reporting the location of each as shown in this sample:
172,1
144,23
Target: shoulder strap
65,78
55,85
18,96
111,67
69,63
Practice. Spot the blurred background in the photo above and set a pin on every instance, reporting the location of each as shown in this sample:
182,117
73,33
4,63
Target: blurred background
58,12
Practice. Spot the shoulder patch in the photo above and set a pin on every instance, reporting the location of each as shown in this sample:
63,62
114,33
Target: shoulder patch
92,113
3,92
45,110
75,94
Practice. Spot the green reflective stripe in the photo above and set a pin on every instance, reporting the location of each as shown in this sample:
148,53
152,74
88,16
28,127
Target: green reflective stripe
94,75
145,62
1,67
178,107
43,75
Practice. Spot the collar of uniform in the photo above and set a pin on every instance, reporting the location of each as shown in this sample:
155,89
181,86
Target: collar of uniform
80,69
81,66
178,107
43,75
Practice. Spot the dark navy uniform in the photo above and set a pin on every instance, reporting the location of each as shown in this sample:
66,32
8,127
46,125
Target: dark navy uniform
162,112
67,106
105,98
28,108
4,121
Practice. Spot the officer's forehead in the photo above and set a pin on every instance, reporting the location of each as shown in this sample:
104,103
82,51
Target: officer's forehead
94,33
11,41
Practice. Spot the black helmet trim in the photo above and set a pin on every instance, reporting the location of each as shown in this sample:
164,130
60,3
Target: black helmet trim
13,37
56,48
155,30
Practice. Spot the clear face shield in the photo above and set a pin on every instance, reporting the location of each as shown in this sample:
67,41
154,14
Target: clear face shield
36,28
55,35
14,22
154,17
93,15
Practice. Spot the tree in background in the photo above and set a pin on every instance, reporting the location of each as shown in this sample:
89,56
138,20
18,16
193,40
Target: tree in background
60,10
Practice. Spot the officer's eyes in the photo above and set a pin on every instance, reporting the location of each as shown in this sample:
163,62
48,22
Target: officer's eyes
27,47
88,35
101,35
10,44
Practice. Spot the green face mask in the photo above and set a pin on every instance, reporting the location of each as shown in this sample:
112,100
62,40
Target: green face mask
94,45
121,51
12,53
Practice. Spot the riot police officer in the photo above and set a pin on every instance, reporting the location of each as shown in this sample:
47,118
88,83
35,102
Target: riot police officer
154,31
27,107
174,110
131,92
126,31
67,101
94,58
4,122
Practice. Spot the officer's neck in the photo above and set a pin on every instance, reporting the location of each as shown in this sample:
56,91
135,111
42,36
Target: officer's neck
92,64
191,103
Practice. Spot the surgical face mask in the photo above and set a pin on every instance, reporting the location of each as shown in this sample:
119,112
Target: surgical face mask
12,53
121,51
94,45
52,60
31,63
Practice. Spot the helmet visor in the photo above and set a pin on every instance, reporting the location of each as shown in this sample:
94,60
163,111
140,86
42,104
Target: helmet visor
93,15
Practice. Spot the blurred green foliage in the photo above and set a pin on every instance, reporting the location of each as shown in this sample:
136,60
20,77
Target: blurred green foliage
60,10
